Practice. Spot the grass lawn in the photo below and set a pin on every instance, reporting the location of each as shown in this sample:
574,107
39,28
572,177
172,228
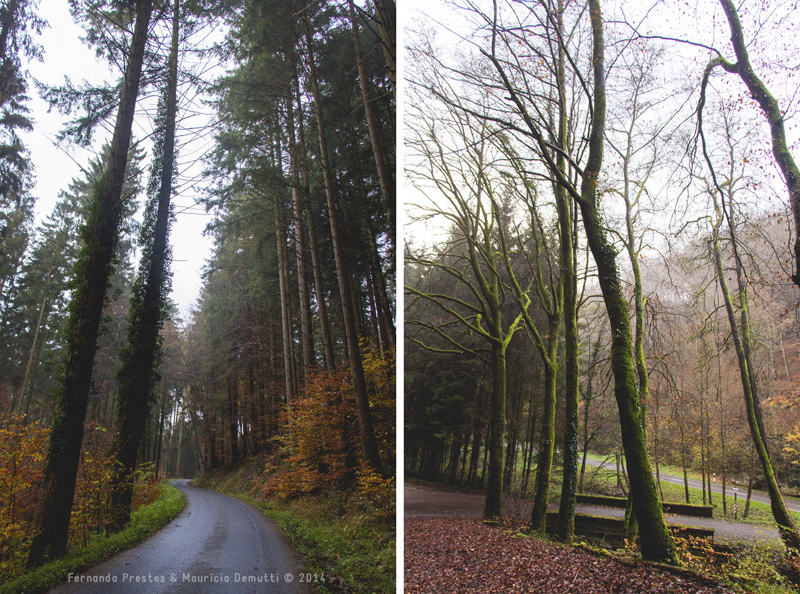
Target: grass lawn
760,513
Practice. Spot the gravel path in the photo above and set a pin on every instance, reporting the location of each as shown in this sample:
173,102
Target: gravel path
424,501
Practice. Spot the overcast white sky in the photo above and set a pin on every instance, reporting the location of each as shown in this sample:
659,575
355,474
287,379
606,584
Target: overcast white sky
769,32
66,55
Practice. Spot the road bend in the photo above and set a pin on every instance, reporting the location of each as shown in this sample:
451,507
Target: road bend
217,545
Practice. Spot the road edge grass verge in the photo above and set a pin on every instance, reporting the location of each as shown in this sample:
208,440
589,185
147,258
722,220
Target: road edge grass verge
145,521
335,539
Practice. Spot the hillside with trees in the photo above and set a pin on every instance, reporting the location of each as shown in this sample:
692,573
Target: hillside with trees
286,361
600,260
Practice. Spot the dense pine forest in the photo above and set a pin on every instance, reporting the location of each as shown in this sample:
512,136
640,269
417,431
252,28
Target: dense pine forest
287,356
600,268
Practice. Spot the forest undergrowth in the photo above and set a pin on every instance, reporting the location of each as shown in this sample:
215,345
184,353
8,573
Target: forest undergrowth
738,567
155,505
23,448
346,537
338,512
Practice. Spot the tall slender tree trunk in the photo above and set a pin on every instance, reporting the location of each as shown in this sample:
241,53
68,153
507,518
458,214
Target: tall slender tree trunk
322,308
286,312
306,337
91,274
493,506
565,525
180,441
387,20
384,172
548,431
369,443
160,431
26,393
385,324
656,543
784,520
139,361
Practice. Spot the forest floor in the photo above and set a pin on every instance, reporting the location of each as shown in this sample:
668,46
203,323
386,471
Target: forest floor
448,549
462,555
428,501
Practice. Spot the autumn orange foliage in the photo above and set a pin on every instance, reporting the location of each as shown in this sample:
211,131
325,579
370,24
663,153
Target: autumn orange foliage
22,450
321,445
23,447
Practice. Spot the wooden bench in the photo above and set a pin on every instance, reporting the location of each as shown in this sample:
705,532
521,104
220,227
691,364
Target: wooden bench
606,528
681,509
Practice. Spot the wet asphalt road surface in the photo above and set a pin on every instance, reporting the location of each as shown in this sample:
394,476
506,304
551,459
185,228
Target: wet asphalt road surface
217,545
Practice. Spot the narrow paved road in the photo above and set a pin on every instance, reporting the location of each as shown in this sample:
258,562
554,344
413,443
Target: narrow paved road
217,545
791,502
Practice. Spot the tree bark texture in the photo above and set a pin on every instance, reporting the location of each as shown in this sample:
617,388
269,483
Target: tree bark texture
369,443
139,361
91,274
656,543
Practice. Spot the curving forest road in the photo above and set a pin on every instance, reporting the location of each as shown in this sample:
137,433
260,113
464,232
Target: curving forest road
217,545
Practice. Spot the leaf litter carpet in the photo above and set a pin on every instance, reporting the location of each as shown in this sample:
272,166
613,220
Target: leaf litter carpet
463,555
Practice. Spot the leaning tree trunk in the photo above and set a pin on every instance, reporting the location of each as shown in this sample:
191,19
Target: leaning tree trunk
780,512
656,543
139,361
769,105
369,443
88,287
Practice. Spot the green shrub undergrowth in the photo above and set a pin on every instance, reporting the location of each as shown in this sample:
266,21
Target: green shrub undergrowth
144,521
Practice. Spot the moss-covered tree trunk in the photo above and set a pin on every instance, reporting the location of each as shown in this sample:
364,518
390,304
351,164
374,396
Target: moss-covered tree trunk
565,526
139,361
780,512
493,505
547,437
88,287
656,543
769,105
